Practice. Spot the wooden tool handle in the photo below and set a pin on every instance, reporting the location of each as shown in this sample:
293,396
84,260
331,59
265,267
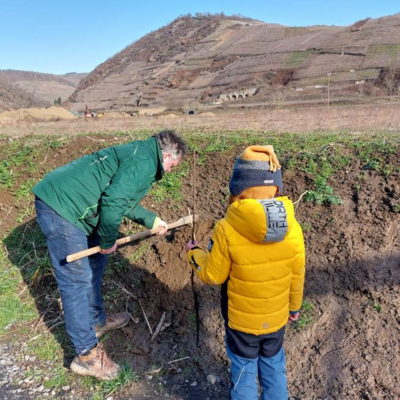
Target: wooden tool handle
85,253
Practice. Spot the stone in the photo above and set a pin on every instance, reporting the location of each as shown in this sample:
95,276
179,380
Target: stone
212,379
66,388
193,383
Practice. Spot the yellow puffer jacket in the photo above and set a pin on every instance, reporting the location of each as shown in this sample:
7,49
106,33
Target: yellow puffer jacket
259,247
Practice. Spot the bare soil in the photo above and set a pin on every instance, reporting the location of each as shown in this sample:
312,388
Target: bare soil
348,351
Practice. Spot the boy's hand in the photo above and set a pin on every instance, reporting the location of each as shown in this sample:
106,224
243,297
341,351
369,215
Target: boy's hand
190,244
293,317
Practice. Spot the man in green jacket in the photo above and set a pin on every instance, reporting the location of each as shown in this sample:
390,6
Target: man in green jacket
81,205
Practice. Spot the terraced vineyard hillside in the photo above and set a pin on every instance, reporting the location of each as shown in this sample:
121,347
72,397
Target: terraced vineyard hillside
218,60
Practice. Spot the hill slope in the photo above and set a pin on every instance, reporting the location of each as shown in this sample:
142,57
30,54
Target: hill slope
216,59
12,97
44,87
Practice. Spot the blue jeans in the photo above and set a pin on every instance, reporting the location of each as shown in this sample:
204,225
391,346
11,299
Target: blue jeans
79,281
271,372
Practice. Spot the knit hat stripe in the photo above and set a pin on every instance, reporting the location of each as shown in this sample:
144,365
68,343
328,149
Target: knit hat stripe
252,164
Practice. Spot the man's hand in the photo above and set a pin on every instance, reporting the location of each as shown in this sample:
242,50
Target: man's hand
293,317
162,228
110,250
190,244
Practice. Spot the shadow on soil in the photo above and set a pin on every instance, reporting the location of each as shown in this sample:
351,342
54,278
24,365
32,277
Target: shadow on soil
133,344
353,332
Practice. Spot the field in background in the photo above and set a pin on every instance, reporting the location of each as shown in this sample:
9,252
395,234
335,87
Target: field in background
373,118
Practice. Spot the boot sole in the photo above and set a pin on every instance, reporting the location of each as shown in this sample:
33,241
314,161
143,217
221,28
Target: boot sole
85,372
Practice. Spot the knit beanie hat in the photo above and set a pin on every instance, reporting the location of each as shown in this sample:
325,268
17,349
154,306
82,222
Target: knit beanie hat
256,174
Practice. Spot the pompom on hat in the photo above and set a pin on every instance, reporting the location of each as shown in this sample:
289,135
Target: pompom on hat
256,175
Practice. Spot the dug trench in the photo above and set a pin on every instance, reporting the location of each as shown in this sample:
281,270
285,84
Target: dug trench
347,348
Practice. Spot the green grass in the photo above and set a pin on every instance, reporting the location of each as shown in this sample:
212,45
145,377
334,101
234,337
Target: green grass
14,308
47,347
385,49
297,58
60,377
113,293
140,252
306,227
306,315
323,193
374,154
106,388
369,73
377,307
169,188
27,250
25,188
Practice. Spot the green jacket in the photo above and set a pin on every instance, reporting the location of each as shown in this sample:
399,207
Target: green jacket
98,190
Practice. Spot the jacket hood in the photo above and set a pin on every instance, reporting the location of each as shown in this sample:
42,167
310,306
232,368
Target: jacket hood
262,221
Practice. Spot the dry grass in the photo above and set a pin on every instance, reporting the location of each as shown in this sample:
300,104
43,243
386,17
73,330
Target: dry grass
354,119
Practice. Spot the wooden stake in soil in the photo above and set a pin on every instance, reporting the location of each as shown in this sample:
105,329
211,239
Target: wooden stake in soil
196,300
194,195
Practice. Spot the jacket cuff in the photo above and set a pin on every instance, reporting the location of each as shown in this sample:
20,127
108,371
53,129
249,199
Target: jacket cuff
106,243
156,222
294,312
149,220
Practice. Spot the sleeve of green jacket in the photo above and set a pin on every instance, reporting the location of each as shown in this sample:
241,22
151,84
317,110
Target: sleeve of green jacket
298,275
142,216
127,189
212,266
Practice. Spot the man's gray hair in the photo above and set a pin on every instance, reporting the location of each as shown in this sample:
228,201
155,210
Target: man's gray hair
170,142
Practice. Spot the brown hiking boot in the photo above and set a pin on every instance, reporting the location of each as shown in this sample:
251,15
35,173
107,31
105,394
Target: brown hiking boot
113,321
96,364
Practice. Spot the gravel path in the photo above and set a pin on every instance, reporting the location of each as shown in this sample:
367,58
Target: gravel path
18,378
20,381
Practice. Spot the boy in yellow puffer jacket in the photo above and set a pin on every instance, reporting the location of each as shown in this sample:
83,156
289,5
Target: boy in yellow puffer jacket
257,254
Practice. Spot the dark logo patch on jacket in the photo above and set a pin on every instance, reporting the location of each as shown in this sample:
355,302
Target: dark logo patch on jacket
197,266
210,245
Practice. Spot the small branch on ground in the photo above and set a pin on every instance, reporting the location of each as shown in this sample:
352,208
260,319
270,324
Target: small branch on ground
123,289
298,200
159,326
179,359
145,317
